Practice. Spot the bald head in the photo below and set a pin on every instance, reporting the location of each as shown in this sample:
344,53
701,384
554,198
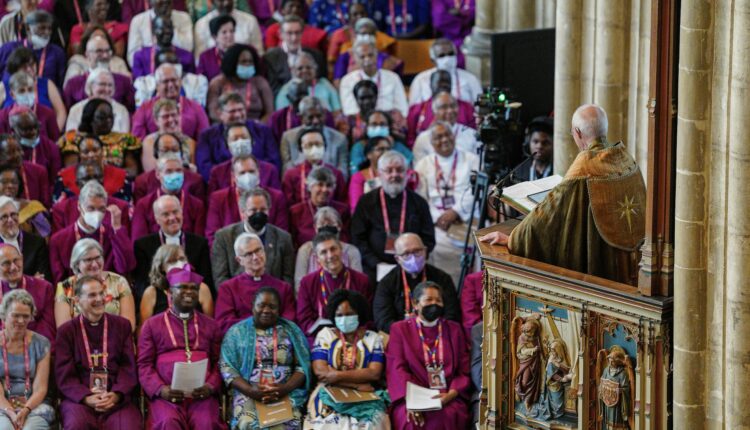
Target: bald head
589,124
407,242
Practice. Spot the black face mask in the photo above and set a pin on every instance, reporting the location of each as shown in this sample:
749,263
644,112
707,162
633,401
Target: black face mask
432,312
258,220
332,229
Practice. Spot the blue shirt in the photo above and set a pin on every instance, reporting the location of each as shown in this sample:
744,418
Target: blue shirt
55,60
417,14
328,15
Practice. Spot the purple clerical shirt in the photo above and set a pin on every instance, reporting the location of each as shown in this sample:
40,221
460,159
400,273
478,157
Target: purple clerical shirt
192,118
193,215
144,64
75,90
221,176
236,296
209,63
65,212
35,183
147,182
223,209
293,183
45,154
47,122
302,225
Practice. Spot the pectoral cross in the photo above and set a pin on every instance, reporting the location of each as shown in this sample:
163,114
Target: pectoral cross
96,356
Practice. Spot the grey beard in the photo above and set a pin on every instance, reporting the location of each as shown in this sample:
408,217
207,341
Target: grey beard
393,189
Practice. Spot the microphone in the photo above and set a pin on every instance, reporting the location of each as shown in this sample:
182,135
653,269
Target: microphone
500,184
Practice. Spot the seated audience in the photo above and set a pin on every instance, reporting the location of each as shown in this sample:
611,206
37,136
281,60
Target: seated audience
288,117
100,84
472,300
310,37
326,219
477,337
445,110
161,144
431,352
170,173
13,278
157,297
192,118
365,30
222,29
255,206
241,144
443,53
105,57
312,144
97,12
279,59
13,25
167,116
445,182
367,178
213,148
95,364
26,366
404,19
168,215
391,94
265,358
224,207
131,8
34,184
348,356
144,60
38,148
394,290
305,68
180,334
32,246
239,74
193,87
422,115
313,114
109,233
35,93
315,288
539,151
245,26
50,57
355,127
140,31
321,184
235,298
65,211
328,16
379,124
385,213
266,11
88,149
341,40
33,217
453,20
87,259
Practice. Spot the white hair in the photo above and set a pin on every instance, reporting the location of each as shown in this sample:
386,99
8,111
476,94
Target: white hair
81,248
361,42
326,212
94,75
90,190
389,156
5,201
438,42
159,73
161,162
17,296
591,120
435,100
158,202
244,238
320,174
306,56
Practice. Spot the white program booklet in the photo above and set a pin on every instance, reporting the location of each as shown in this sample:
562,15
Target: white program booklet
186,377
421,399
518,195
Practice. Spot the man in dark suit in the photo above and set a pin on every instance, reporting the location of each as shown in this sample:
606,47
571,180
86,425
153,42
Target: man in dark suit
168,213
254,205
33,247
279,58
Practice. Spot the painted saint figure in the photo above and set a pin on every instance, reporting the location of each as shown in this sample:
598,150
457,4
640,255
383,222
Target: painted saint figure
529,354
615,383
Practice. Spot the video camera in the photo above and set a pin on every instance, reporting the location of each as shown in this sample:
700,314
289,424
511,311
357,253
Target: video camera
500,131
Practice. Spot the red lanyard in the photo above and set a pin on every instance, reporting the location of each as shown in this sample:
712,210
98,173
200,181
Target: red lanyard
271,7
78,11
25,183
237,198
302,178
324,289
407,291
348,353
218,56
104,354
42,60
392,9
437,348
78,233
422,115
340,14
384,209
440,177
259,356
188,353
26,366
153,59
289,118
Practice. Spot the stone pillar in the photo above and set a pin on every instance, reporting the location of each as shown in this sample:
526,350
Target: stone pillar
693,125
521,15
567,80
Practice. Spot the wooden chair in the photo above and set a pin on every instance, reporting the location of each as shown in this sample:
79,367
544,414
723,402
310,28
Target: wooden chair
415,54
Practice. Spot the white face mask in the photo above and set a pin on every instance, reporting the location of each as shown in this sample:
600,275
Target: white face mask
241,147
39,42
248,181
314,153
449,63
93,218
370,38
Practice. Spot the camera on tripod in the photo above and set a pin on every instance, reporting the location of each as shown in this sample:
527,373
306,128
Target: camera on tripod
500,131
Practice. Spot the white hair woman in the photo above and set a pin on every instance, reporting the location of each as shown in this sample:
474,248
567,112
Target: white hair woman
100,84
87,258
25,366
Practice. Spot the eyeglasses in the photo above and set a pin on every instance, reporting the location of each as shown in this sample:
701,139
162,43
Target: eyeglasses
412,252
257,251
6,217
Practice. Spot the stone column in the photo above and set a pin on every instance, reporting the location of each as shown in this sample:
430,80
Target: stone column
521,15
611,58
476,47
567,79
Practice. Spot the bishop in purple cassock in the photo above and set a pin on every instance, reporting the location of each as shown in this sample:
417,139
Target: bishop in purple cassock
75,90
102,343
180,334
33,176
316,287
65,212
294,187
221,176
147,182
38,148
237,295
224,209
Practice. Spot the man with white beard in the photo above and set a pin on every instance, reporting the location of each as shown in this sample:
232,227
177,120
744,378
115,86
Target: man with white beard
385,213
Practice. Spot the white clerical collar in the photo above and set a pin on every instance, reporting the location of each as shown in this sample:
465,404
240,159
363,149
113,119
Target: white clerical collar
11,241
249,229
172,239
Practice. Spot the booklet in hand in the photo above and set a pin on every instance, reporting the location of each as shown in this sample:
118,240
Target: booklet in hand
421,399
271,414
349,395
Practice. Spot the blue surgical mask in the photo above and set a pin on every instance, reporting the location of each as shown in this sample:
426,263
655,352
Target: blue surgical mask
378,131
347,324
29,143
173,181
25,99
245,72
